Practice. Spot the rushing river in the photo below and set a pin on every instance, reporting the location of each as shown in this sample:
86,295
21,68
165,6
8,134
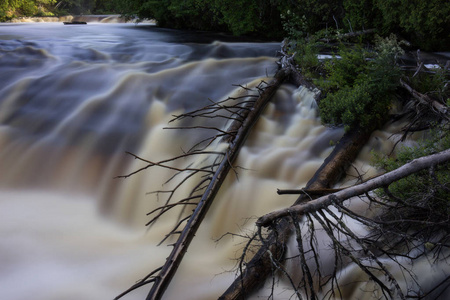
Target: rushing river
73,99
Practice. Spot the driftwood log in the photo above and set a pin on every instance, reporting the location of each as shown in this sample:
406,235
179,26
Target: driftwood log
173,261
331,172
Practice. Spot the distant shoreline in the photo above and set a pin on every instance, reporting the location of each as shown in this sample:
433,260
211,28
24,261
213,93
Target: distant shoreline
79,18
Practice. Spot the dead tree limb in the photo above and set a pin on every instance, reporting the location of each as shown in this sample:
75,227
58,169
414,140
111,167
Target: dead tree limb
163,278
426,100
243,115
287,62
317,192
331,171
383,180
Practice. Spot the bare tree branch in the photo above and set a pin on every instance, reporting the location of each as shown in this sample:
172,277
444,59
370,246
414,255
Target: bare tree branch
424,99
168,270
383,180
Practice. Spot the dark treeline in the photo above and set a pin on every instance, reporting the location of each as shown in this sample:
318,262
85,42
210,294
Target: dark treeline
425,24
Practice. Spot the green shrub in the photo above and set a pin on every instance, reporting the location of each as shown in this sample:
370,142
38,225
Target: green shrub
424,195
294,26
344,71
306,51
28,8
360,85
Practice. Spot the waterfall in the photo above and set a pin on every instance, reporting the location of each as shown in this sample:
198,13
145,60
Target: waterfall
73,100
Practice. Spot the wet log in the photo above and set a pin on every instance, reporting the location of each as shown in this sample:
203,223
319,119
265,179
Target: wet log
407,169
336,164
331,171
166,273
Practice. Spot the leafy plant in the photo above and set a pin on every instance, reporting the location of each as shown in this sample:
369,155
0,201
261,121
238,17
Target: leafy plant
294,25
424,195
360,85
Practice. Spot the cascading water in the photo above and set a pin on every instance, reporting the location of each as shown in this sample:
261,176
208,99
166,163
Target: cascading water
74,99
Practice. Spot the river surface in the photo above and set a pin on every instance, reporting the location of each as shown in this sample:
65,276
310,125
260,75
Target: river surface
73,99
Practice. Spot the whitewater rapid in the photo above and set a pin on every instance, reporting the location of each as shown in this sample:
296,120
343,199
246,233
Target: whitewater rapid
73,99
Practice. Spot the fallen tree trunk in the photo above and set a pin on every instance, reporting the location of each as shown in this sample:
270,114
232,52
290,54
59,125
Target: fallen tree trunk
331,171
336,164
165,275
378,182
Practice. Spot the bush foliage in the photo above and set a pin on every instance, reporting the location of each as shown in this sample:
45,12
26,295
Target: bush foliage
10,9
358,83
424,195
426,24
240,17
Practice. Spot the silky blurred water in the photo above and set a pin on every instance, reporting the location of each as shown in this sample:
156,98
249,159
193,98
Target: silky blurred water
73,99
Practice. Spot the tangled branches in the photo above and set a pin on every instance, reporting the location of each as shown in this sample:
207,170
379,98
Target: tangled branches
206,174
380,238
